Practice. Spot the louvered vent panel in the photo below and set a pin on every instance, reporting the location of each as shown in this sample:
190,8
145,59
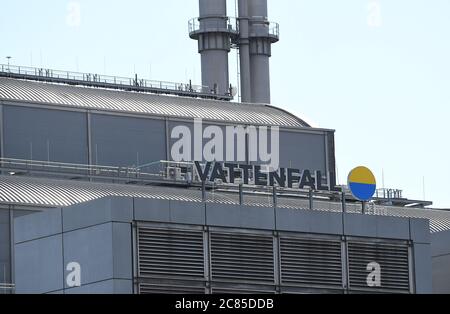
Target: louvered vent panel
242,257
170,253
240,291
392,258
311,262
163,289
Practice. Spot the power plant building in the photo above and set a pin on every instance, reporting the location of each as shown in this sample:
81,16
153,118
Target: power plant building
88,184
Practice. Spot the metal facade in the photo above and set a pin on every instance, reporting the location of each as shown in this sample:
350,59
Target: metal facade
183,259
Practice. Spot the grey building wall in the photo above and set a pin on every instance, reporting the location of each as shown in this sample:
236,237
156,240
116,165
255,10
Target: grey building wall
297,149
126,141
7,214
303,151
420,235
98,235
46,242
63,136
42,134
440,252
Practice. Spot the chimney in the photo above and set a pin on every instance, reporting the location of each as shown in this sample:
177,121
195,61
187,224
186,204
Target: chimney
253,35
213,33
262,35
244,51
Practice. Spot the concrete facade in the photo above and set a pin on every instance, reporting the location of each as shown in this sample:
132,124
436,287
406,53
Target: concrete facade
99,236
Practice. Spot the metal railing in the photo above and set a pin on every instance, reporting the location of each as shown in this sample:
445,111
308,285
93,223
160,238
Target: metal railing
264,28
159,175
284,197
91,79
229,24
21,166
389,193
274,29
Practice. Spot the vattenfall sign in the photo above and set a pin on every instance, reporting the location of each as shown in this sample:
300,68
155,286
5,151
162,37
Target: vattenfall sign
284,177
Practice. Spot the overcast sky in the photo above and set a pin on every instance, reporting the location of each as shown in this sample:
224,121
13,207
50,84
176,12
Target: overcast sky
376,71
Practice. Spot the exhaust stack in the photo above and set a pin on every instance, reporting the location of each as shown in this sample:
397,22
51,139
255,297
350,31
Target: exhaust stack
252,34
213,34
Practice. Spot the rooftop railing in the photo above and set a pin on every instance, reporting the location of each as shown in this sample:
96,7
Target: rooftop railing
389,193
171,173
106,81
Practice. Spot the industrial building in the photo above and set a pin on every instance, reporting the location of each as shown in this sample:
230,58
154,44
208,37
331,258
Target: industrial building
88,184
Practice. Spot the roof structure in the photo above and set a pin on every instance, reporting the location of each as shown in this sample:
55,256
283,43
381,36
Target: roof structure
45,192
51,94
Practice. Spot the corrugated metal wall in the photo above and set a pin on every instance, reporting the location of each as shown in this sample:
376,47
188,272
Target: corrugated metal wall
197,259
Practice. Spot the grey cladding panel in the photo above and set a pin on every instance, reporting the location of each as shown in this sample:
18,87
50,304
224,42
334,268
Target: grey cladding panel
302,151
441,274
115,286
122,251
423,268
42,134
125,141
37,225
118,209
39,265
92,248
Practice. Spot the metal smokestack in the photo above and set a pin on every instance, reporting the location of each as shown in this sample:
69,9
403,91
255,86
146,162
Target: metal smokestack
253,37
244,51
262,35
213,35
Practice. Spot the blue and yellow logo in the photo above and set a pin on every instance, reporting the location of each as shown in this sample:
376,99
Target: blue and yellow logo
362,183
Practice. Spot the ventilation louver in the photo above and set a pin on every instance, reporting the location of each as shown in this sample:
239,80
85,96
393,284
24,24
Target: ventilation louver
242,257
170,253
392,258
311,262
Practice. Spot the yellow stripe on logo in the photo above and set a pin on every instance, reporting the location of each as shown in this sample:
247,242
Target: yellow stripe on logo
361,175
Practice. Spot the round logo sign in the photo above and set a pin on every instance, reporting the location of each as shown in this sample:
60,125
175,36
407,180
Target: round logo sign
362,183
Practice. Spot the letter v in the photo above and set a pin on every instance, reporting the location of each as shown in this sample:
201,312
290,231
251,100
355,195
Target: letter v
203,174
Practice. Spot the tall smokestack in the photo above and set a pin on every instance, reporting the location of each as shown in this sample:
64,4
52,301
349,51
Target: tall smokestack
213,35
262,35
244,52
253,38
